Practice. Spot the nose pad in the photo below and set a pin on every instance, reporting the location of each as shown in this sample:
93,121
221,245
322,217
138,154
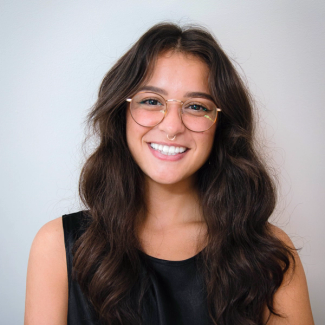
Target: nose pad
178,105
172,124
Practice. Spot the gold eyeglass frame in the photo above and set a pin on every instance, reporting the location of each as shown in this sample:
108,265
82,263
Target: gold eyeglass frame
165,110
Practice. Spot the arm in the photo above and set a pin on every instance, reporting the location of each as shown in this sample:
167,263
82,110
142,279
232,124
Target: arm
47,282
292,299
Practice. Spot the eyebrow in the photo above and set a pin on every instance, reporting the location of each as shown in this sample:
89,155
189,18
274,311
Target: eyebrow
190,94
198,94
154,89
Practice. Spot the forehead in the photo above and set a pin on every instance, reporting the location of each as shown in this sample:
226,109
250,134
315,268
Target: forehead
177,71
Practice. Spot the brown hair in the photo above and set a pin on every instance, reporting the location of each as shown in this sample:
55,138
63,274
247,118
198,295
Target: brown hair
243,263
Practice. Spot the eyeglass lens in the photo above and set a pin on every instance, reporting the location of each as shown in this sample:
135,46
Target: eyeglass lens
148,109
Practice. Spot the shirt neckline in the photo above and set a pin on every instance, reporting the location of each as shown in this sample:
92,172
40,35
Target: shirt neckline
169,262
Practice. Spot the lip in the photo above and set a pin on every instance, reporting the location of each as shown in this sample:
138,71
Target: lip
160,156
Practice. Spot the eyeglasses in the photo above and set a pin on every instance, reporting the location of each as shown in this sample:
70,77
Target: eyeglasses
148,109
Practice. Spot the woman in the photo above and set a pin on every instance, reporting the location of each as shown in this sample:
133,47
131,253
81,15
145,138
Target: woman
176,230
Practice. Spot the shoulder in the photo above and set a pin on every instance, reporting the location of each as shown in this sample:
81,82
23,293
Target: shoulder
52,236
291,300
281,235
51,233
47,285
48,244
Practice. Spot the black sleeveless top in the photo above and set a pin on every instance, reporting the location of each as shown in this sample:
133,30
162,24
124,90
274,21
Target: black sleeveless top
176,293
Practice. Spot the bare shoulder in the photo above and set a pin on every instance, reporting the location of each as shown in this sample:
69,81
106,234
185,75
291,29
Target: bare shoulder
292,299
48,246
47,282
51,233
280,234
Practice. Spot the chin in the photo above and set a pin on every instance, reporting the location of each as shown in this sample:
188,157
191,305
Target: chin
169,179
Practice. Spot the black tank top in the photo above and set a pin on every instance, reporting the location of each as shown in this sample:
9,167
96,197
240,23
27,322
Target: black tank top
176,293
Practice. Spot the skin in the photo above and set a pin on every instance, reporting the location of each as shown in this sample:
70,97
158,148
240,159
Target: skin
174,216
47,281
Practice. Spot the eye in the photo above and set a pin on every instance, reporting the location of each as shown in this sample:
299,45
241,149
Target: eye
150,101
197,107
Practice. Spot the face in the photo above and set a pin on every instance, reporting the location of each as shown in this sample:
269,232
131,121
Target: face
174,76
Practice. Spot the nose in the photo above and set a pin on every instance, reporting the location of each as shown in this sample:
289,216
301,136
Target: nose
172,123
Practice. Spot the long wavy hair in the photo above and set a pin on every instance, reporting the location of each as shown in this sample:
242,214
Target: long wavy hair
243,263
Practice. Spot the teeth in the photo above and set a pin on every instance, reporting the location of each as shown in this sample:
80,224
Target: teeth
167,150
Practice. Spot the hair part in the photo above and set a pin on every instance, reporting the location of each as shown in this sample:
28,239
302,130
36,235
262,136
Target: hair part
243,263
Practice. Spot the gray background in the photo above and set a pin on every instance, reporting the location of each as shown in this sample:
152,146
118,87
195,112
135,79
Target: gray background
53,56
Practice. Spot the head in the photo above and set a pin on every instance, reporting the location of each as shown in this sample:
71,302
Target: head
150,61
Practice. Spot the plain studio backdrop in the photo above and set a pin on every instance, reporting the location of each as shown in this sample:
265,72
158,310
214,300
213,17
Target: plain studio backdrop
53,57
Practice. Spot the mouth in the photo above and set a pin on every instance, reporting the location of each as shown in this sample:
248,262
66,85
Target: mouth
167,150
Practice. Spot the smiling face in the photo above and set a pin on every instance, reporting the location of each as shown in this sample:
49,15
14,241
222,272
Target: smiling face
174,76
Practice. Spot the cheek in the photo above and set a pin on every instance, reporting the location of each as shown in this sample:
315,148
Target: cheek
134,134
206,143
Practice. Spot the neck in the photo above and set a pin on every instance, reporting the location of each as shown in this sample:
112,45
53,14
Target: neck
171,205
